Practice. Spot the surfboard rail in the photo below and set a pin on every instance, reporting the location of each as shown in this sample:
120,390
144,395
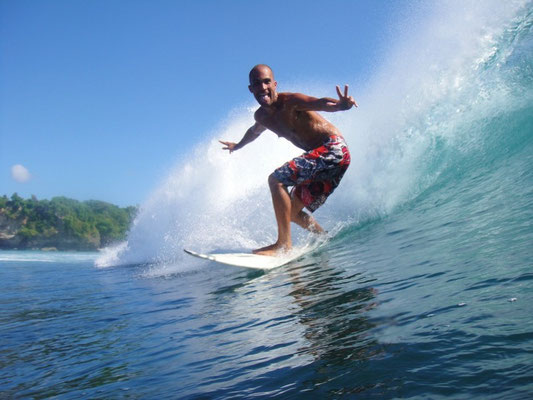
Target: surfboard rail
247,260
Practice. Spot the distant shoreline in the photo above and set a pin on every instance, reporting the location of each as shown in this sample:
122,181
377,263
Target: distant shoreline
61,224
52,250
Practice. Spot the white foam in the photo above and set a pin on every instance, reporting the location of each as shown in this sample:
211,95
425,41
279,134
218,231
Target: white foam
47,256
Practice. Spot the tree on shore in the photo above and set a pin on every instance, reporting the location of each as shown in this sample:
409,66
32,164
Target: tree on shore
69,223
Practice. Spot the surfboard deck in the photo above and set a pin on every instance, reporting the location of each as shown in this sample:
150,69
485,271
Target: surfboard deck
248,260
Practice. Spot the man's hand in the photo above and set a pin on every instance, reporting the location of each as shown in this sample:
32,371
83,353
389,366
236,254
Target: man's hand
345,102
251,134
229,146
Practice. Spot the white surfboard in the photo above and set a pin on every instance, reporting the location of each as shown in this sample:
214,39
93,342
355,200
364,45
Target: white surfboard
249,260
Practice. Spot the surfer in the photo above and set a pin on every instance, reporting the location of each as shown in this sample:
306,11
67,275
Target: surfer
313,175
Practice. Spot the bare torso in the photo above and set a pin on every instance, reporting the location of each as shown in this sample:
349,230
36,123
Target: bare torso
305,129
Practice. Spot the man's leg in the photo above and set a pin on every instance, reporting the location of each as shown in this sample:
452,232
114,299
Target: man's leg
303,219
281,201
287,210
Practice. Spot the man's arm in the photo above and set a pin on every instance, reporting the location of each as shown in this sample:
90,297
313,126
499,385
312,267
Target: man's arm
251,134
309,103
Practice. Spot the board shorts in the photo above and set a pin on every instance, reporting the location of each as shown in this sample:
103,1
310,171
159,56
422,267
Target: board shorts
315,174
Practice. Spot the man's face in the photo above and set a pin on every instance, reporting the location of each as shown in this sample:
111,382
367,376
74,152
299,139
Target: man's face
263,86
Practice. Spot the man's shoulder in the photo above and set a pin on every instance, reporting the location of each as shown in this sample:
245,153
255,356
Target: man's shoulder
260,115
293,99
284,96
259,111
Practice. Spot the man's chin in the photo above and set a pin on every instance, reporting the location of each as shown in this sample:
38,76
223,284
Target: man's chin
264,103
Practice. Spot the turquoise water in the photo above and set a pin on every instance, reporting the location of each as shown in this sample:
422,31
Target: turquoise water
423,291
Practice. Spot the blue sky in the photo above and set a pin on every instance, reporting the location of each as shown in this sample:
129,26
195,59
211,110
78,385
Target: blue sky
98,99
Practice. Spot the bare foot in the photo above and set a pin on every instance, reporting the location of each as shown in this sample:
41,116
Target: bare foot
272,250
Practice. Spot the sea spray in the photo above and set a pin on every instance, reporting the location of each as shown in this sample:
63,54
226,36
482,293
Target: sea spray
212,199
427,108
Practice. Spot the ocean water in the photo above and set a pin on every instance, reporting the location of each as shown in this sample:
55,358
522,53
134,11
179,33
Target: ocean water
423,290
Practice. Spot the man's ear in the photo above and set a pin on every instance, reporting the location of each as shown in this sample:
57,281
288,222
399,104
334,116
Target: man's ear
250,88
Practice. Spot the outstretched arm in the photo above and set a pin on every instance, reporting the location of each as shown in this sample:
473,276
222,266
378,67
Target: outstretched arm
308,103
251,134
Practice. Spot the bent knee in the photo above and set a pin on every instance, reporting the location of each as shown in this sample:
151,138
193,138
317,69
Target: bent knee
273,181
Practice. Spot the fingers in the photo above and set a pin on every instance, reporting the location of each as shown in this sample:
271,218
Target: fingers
230,146
339,93
344,97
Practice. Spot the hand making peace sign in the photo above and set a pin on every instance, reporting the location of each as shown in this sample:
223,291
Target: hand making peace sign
345,102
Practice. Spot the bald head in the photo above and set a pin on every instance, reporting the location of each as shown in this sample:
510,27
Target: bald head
258,69
262,85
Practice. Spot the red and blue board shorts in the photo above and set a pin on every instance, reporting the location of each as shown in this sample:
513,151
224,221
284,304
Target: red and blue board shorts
316,173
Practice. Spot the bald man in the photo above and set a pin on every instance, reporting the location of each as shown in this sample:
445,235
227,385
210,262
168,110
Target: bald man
315,174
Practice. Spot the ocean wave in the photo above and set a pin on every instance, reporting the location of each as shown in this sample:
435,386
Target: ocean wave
454,95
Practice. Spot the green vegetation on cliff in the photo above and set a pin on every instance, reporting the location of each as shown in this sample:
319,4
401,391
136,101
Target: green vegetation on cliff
61,223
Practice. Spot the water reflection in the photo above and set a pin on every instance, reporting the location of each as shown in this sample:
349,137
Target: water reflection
333,306
309,318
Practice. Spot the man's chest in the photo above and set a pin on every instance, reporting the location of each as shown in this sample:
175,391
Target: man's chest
281,121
